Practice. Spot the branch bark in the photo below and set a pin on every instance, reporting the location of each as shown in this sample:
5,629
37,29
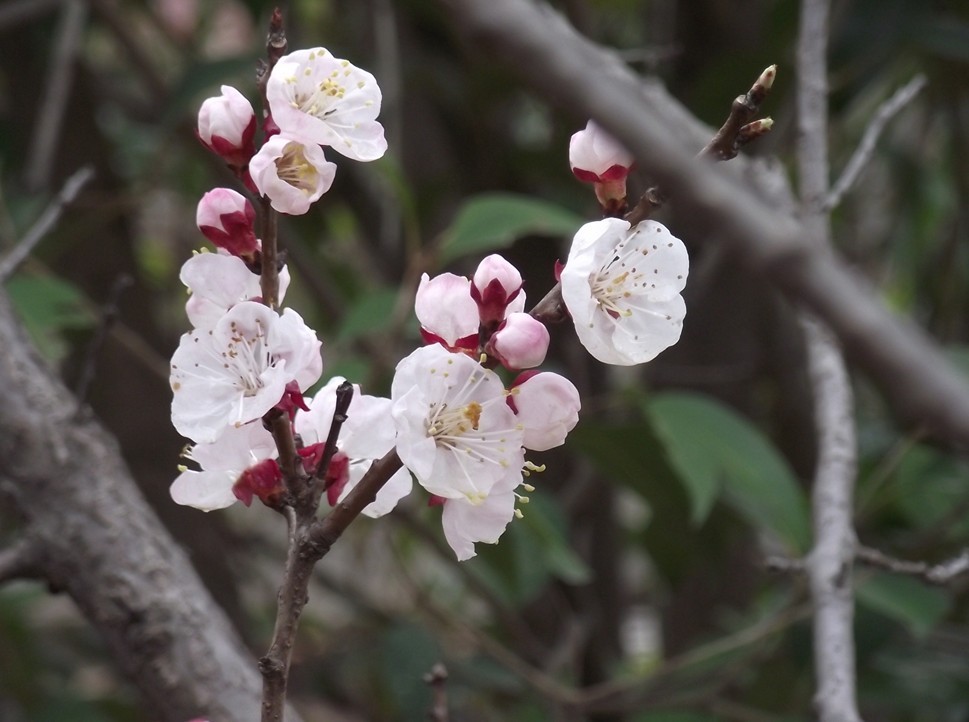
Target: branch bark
593,82
97,540
829,566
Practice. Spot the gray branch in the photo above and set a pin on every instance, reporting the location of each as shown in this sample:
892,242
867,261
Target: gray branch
859,159
96,539
941,573
829,566
594,83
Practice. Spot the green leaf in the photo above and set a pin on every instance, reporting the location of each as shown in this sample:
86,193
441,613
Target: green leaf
370,313
532,549
714,449
547,529
48,306
906,600
496,220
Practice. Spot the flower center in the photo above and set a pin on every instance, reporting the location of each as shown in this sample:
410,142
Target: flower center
618,280
247,358
293,168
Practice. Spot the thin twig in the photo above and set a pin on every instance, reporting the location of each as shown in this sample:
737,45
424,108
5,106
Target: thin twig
50,216
109,316
939,574
863,153
436,679
829,565
57,92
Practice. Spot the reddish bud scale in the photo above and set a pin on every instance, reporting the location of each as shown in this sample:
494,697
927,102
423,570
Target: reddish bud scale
493,301
263,481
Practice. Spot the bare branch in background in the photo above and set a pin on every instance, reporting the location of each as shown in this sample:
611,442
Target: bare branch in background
829,565
57,91
859,159
941,573
592,82
11,262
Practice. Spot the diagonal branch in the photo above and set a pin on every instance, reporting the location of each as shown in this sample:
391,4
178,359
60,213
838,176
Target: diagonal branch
592,82
859,159
11,262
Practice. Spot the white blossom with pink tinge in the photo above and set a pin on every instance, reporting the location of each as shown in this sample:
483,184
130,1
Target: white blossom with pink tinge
445,309
455,431
238,370
292,174
622,287
221,462
466,523
217,282
366,435
321,99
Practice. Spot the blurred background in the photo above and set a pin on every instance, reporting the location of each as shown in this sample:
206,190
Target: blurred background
638,570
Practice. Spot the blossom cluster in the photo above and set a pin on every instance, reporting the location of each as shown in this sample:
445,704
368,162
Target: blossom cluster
465,408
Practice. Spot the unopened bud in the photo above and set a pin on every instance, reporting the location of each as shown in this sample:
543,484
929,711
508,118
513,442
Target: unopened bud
521,342
766,79
227,126
495,285
754,130
226,218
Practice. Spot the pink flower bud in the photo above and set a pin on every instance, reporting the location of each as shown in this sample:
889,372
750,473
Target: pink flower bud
595,156
446,312
227,126
496,284
521,342
226,219
547,406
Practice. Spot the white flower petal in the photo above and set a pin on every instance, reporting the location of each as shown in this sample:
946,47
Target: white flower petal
466,523
455,430
325,100
621,286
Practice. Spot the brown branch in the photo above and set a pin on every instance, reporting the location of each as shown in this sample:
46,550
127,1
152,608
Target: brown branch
939,574
586,79
736,131
310,539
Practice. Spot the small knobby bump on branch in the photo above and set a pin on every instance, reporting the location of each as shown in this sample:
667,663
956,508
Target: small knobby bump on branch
436,679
